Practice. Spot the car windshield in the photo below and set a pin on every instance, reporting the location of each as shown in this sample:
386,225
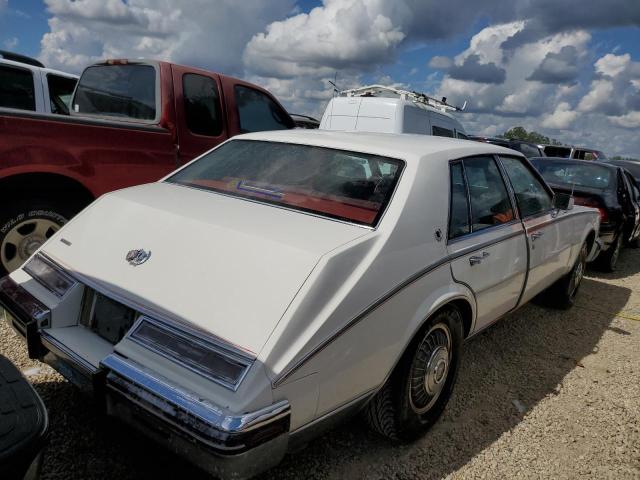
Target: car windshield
349,186
565,173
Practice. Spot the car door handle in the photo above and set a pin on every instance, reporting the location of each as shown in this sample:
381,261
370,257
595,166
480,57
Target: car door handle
536,235
476,259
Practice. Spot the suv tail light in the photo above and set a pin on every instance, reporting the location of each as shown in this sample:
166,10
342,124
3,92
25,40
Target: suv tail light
592,202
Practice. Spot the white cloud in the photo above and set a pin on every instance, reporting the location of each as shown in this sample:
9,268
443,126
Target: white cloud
185,31
629,120
613,65
11,43
352,34
600,95
561,118
516,96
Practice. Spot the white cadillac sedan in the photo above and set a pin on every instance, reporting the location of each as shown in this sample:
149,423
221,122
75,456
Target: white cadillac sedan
285,280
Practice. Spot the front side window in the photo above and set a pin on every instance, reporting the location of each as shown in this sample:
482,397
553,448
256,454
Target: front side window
60,92
490,204
16,88
462,136
350,186
202,105
442,132
121,91
459,208
531,195
257,112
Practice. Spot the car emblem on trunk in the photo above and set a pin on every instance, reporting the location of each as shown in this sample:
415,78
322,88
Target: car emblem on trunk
137,257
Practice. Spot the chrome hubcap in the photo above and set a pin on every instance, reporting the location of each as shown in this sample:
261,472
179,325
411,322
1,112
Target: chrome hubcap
23,240
430,368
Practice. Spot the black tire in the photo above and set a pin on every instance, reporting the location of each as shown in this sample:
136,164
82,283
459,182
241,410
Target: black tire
608,261
404,409
24,226
562,294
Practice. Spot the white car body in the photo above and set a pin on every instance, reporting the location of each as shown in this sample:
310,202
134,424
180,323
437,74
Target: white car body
40,77
389,115
307,301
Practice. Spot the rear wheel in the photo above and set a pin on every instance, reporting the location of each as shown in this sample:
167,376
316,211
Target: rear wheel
417,392
608,260
24,227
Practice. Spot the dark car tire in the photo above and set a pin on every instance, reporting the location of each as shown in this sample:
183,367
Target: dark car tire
24,226
562,294
418,390
608,260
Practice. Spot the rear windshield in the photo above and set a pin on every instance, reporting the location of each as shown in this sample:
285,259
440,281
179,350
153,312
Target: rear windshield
349,186
564,173
556,151
122,91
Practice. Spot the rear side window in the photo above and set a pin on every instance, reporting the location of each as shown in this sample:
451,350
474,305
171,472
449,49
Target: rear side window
258,112
121,91
60,92
490,203
16,88
202,105
529,150
531,195
442,132
459,223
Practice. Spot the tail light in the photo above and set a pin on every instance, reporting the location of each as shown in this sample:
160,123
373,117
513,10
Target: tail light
593,203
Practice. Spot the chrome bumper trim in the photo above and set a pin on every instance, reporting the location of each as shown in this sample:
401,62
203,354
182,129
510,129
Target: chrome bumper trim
210,424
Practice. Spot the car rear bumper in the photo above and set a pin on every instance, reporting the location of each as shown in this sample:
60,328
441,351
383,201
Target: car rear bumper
225,444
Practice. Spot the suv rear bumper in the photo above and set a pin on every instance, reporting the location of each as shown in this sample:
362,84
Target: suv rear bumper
225,444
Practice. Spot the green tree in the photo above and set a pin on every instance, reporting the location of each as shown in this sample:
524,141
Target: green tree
520,133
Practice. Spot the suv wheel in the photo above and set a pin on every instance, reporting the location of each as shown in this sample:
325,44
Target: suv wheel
25,227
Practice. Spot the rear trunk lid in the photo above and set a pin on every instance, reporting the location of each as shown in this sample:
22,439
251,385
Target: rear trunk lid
225,265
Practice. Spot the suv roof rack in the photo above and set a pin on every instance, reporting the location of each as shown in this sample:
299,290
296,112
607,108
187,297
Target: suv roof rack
16,57
418,97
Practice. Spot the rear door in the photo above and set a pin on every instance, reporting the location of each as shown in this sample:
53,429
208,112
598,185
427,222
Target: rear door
550,233
486,240
633,206
199,112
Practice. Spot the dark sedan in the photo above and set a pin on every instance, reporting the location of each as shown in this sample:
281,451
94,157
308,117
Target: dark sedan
609,188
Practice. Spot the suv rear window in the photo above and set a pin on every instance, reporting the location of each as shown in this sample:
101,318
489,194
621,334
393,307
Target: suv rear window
122,91
350,186
16,88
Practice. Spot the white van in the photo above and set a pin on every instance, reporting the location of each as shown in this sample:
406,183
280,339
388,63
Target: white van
381,109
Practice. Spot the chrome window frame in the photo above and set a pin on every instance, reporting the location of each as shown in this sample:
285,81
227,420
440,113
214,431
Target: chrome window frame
505,181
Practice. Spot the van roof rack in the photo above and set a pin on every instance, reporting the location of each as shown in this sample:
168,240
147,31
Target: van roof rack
16,57
418,97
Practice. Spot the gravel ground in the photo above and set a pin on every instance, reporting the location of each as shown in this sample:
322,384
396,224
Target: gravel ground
541,394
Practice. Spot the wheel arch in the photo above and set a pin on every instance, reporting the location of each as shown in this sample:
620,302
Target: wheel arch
47,184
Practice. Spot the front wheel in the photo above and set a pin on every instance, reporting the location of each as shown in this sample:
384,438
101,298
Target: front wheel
608,261
24,227
418,390
562,294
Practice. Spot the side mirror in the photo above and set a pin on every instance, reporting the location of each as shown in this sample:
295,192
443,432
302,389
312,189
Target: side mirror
563,201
